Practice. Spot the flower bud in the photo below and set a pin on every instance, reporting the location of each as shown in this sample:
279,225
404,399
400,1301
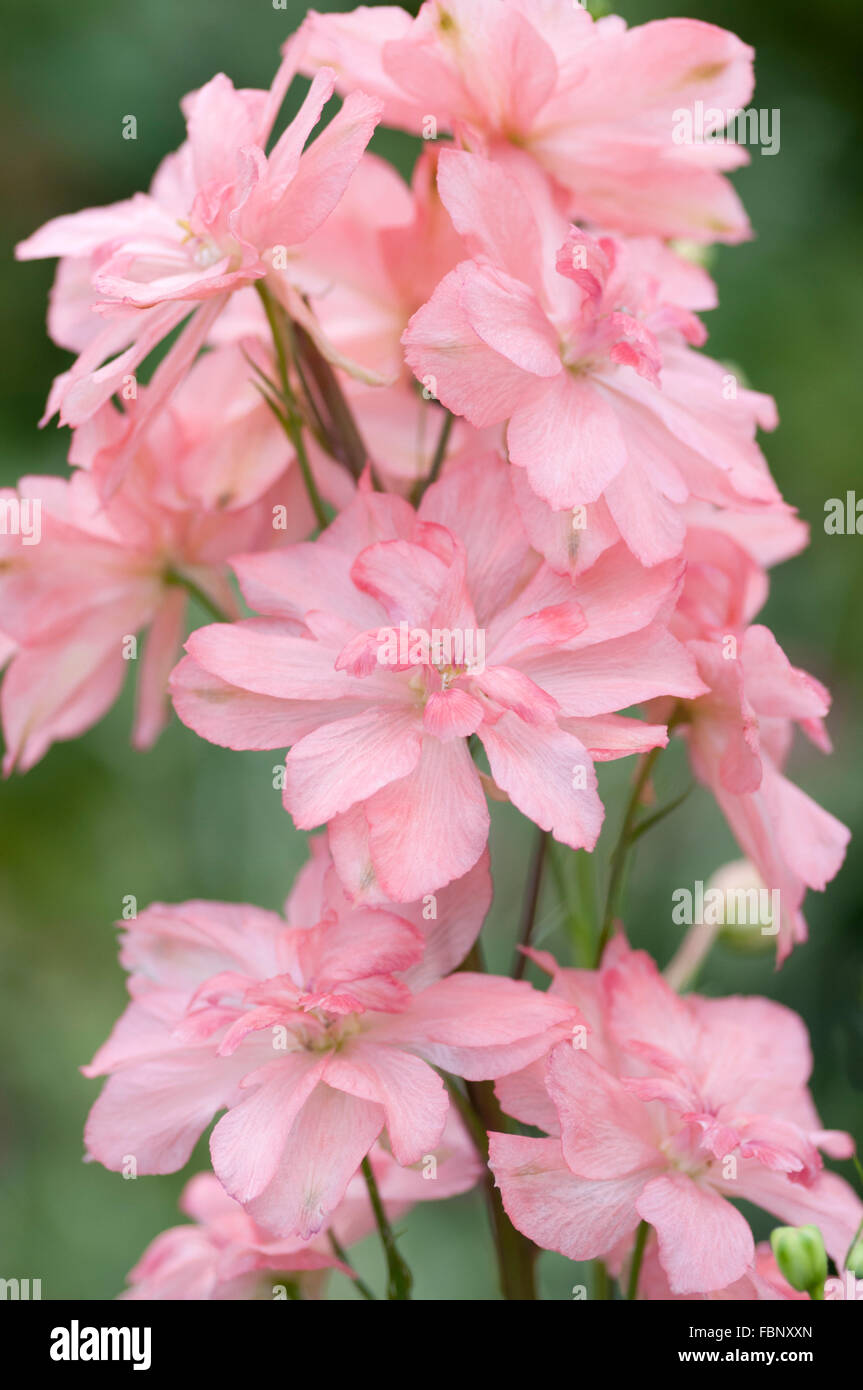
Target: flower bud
801,1257
854,1259
747,919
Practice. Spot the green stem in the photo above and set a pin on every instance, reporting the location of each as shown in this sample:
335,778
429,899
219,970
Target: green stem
295,434
471,1120
399,1277
601,1281
621,850
578,907
516,1255
479,1108
182,581
341,1254
650,821
422,484
531,901
585,876
280,329
637,1257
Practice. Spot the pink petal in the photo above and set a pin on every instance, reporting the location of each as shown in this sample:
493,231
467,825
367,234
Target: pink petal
613,675
452,714
567,436
605,1131
581,1219
329,1139
704,1242
161,646
232,717
247,1143
256,655
548,775
829,1203
444,352
479,1026
429,827
611,736
158,1110
347,761
324,170
506,315
490,211
413,1097
474,501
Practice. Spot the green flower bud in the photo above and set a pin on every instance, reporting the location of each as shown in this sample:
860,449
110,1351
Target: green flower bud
747,915
854,1259
801,1257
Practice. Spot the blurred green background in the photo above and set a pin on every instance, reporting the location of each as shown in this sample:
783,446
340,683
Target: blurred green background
95,822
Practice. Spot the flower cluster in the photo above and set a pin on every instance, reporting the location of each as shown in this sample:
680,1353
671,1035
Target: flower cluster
474,512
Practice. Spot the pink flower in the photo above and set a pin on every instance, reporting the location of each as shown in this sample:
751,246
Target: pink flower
220,214
763,1282
589,358
316,1038
597,106
344,668
224,1254
740,733
670,1108
212,476
373,263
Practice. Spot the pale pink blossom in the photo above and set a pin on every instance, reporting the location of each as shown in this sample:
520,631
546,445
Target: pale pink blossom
739,734
222,1254
594,104
380,738
665,1110
221,214
212,476
316,1036
584,345
373,263
763,1282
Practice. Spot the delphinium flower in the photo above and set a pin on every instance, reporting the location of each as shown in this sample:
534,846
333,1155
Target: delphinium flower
211,477
739,734
593,104
585,344
343,666
763,1282
498,519
222,1254
221,214
666,1110
316,1037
